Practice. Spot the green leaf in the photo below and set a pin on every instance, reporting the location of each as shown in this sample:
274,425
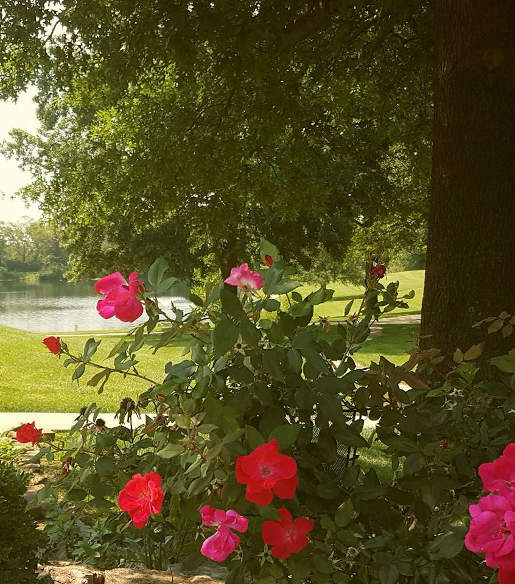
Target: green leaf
506,362
348,436
90,349
329,490
344,513
225,335
285,286
165,285
79,371
348,306
319,296
170,451
180,288
198,354
214,294
105,466
76,494
458,356
254,437
249,333
448,545
93,381
474,352
267,248
271,305
304,397
286,434
157,271
121,345
295,360
302,309
323,564
270,279
388,574
231,304
272,363
495,326
414,463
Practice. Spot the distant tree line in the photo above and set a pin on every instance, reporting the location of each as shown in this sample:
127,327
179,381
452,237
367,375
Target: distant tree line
31,246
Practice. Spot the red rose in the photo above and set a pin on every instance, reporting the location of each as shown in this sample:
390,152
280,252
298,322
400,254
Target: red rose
269,260
266,472
285,536
377,270
28,433
141,497
53,344
506,576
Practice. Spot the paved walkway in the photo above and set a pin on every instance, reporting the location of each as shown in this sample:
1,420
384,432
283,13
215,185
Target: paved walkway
402,319
47,421
54,422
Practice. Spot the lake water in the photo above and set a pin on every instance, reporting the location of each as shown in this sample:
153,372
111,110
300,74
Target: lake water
59,307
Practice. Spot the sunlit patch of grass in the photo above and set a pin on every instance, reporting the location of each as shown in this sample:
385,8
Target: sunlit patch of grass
34,380
412,280
394,342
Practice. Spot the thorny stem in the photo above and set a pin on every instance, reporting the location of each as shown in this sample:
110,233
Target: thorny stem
111,369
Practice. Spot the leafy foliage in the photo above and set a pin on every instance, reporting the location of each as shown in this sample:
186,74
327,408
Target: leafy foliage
254,371
32,246
20,541
182,136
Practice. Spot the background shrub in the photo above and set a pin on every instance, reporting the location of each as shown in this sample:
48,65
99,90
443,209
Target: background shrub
19,538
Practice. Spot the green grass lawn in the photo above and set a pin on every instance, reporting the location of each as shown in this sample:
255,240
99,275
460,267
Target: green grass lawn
394,342
412,280
32,379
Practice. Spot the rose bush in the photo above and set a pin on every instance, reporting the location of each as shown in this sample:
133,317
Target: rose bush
265,417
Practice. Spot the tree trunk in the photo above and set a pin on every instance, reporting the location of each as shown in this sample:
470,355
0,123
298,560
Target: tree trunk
228,258
470,270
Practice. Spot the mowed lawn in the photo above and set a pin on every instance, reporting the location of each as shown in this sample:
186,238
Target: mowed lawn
412,280
33,379
393,342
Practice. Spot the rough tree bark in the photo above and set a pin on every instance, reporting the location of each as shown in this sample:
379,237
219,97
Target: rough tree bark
470,261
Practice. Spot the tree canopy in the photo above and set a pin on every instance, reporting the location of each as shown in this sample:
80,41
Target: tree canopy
193,128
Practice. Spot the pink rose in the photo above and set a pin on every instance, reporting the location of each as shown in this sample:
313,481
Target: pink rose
223,542
220,545
492,530
499,476
120,298
244,278
217,517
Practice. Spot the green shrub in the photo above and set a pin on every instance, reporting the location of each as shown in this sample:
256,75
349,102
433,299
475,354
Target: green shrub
257,369
19,538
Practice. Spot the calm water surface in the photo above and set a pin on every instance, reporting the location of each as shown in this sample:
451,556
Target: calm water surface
58,307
